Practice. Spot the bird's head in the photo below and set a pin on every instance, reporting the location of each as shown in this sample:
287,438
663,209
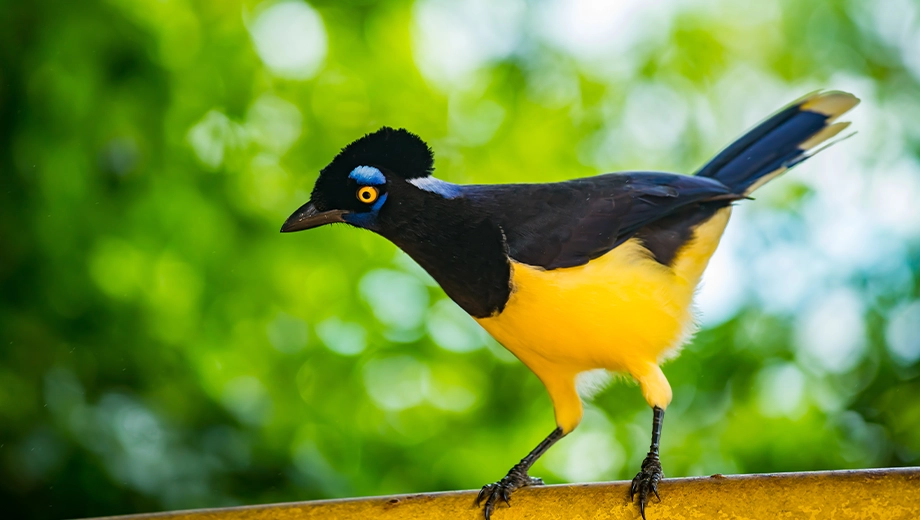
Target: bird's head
364,178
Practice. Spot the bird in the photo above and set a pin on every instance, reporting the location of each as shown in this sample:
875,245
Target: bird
591,273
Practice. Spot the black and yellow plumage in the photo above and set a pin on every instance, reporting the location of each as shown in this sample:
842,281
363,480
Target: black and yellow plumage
592,273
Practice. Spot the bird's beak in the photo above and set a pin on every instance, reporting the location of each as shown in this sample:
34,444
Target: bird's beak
308,217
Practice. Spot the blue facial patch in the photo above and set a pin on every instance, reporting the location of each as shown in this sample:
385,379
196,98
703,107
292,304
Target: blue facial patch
366,219
379,204
443,188
368,175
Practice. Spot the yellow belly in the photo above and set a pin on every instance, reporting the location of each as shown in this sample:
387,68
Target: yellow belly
622,312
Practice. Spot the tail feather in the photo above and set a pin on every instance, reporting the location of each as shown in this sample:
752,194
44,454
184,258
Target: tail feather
784,140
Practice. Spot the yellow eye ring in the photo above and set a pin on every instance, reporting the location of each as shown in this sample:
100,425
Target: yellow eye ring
368,194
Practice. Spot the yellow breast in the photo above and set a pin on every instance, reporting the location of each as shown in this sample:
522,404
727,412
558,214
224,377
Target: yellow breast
617,312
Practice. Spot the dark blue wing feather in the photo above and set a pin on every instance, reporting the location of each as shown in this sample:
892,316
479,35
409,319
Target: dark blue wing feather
569,223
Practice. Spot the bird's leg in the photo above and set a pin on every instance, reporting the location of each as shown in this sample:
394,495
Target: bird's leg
646,482
517,477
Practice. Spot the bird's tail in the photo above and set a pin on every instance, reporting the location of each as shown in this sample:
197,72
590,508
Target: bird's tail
782,141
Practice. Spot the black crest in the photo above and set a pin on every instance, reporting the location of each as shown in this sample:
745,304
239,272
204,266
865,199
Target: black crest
400,152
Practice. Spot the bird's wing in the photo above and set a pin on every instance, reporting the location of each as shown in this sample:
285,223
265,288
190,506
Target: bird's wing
568,223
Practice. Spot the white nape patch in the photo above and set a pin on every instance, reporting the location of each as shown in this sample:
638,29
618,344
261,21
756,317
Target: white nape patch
589,384
431,184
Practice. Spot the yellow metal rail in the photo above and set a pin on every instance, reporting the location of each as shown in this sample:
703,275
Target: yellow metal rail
889,494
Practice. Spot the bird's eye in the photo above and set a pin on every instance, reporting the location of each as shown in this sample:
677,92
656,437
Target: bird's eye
368,194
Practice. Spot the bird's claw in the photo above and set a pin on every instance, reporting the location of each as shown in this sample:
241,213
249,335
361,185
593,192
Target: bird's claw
646,482
515,479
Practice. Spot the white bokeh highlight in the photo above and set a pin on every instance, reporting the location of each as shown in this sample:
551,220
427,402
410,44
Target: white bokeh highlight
589,453
397,299
396,383
274,123
781,389
452,40
832,333
289,38
903,333
601,30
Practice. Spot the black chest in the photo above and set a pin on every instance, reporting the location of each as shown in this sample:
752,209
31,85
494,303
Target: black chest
463,251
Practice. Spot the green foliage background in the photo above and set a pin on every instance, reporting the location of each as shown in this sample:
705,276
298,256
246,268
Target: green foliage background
162,346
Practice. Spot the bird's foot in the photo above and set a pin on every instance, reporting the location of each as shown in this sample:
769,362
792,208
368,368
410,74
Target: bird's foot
646,482
514,480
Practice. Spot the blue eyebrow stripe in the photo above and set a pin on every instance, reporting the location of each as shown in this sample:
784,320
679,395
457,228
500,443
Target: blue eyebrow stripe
368,175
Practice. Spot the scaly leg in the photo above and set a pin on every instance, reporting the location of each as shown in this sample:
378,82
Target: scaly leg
517,477
647,480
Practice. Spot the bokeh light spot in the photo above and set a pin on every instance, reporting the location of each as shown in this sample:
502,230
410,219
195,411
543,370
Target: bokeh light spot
274,123
780,390
454,39
396,383
345,338
453,329
247,399
589,453
290,39
903,333
287,333
832,332
398,300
